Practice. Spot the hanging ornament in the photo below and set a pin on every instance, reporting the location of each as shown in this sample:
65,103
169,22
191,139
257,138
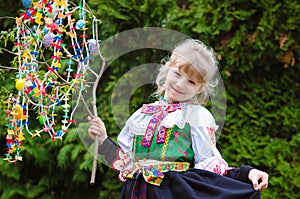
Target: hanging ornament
53,57
26,3
52,11
93,46
42,119
40,84
80,24
17,112
48,39
20,84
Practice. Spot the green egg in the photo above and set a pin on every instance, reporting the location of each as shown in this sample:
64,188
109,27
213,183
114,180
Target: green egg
42,119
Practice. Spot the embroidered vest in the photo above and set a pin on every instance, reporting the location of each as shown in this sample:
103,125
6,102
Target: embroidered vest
177,146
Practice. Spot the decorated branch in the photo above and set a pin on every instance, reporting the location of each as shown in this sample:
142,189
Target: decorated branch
55,42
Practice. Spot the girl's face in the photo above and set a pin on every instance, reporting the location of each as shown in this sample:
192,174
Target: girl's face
180,86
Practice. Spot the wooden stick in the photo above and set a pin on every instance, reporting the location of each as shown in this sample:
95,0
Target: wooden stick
95,161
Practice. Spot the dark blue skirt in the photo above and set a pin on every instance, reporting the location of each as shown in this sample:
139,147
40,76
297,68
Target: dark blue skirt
194,183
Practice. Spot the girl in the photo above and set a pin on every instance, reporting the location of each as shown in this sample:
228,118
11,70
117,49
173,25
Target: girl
167,149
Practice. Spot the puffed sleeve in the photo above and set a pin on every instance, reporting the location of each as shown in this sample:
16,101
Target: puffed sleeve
207,156
125,138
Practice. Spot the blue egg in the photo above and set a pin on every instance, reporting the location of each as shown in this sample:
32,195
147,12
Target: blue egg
26,3
59,133
80,24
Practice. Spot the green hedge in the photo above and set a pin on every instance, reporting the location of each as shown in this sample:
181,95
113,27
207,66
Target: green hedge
257,43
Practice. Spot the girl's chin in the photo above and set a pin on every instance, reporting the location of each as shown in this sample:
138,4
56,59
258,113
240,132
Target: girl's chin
171,98
174,99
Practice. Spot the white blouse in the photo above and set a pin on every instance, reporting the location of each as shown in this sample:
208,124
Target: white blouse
203,129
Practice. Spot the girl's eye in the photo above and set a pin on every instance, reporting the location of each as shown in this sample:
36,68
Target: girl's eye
177,73
192,82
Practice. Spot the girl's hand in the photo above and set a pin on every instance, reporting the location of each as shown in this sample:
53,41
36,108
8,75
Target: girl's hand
97,127
259,179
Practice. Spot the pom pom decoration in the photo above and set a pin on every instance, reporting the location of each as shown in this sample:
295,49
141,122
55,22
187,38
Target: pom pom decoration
45,82
17,112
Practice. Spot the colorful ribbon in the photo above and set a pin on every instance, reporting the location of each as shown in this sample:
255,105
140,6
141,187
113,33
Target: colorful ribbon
159,112
153,173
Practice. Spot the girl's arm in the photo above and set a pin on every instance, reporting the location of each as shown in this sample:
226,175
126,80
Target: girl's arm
207,156
240,173
107,147
248,174
114,155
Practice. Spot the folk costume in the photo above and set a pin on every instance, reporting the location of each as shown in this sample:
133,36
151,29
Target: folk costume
168,150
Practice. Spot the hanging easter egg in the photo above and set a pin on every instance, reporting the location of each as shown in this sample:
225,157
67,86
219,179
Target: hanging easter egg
17,112
80,24
42,119
26,3
59,133
93,46
48,39
20,83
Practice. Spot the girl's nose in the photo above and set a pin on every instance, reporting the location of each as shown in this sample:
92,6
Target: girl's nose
180,83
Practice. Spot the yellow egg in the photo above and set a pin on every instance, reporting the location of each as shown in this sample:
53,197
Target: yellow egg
17,112
20,83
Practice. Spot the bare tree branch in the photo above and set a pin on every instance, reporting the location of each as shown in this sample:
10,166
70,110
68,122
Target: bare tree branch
9,68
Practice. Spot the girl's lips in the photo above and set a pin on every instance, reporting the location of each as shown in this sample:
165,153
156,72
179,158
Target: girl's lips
176,91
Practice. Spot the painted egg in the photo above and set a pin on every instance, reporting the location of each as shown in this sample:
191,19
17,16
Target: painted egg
17,112
20,83
26,3
54,12
80,24
42,119
59,133
93,47
48,39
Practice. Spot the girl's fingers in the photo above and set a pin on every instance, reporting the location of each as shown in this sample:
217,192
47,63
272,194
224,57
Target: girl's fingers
264,181
93,133
97,128
96,122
